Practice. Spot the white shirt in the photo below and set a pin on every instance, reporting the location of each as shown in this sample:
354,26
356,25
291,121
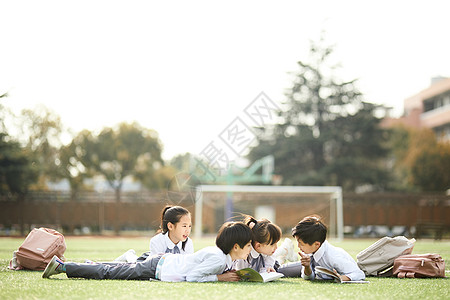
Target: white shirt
160,242
331,257
269,261
203,265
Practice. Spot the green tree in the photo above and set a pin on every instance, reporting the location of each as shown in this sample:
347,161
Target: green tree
17,173
128,150
41,134
2,114
420,161
70,166
328,135
16,170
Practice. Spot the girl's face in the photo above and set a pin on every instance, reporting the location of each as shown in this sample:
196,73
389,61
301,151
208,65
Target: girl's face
266,249
181,230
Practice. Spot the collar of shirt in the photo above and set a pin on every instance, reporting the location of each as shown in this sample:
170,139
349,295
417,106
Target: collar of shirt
319,253
254,254
229,262
171,244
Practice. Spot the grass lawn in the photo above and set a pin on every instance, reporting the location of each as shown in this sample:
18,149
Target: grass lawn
30,285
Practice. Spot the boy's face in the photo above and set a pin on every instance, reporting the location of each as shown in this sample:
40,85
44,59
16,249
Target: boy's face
242,253
265,249
307,248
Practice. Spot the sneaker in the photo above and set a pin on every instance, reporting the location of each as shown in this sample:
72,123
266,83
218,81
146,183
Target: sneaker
55,266
280,254
286,252
291,254
129,256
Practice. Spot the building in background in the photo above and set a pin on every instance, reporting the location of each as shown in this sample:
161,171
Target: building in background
429,108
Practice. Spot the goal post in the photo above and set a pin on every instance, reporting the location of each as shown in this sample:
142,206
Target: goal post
334,193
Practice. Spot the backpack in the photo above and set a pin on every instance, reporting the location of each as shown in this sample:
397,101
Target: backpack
39,247
419,265
379,257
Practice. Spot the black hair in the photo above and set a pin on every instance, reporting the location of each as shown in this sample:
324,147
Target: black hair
173,215
310,229
232,233
264,231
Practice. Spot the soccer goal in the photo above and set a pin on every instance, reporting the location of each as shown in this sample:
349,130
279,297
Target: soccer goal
284,205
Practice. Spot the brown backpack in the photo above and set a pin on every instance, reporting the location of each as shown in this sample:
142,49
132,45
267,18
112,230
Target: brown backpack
419,265
39,247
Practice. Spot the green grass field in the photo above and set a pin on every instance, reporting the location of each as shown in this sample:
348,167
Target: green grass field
30,285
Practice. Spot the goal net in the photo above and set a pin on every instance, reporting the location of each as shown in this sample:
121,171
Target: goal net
283,205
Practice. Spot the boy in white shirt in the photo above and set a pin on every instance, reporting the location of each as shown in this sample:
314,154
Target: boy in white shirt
310,234
209,264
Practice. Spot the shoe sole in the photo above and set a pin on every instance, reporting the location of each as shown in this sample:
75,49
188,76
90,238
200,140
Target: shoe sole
50,267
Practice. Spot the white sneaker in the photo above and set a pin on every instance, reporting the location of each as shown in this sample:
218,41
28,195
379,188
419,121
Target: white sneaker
129,256
286,252
55,266
291,255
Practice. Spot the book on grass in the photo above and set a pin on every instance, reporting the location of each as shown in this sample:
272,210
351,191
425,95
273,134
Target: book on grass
335,275
249,274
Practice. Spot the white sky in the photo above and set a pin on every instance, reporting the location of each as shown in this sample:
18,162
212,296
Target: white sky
188,68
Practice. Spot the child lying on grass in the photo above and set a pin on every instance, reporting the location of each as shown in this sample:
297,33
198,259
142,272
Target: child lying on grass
310,234
208,264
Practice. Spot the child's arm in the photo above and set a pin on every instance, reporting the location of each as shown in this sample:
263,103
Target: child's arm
189,246
210,269
156,246
228,276
347,268
307,272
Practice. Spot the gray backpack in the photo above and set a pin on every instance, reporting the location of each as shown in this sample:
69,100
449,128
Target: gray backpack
379,257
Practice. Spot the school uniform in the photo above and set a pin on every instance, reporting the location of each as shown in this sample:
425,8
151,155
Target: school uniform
201,266
260,262
331,257
161,243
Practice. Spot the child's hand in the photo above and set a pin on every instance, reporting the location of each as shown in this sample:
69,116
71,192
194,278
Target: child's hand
228,276
306,262
343,277
305,259
269,269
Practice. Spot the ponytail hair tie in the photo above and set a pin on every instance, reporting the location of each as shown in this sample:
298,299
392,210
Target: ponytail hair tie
252,224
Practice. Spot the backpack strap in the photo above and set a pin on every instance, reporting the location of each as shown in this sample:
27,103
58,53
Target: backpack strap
406,274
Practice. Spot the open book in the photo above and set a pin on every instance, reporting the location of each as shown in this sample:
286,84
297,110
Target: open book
249,274
335,275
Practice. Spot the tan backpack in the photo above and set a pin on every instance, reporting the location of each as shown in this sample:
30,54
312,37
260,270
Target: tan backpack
379,257
419,265
39,247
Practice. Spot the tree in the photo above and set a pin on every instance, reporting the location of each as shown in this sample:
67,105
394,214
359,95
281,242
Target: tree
328,135
16,169
17,172
128,150
70,166
41,134
420,161
2,114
